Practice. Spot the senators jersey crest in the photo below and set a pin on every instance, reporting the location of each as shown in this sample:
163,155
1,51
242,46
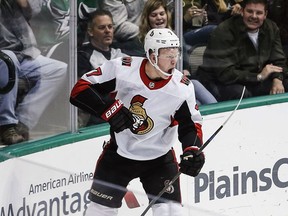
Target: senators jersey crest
142,122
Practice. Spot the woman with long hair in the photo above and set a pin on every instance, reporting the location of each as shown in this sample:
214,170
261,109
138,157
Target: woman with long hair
157,15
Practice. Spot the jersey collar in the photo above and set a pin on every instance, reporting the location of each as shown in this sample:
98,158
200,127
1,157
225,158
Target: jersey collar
151,84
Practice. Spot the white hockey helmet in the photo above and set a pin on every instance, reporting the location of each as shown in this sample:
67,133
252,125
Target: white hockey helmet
160,38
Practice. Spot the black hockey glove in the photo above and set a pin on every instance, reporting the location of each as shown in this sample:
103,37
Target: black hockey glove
191,164
118,116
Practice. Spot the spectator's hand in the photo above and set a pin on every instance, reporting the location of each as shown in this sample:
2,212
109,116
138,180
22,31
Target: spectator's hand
236,9
118,116
198,12
189,14
186,72
277,87
268,69
191,164
192,12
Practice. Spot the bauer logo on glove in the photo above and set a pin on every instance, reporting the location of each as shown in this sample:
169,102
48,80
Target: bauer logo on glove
191,163
118,116
112,110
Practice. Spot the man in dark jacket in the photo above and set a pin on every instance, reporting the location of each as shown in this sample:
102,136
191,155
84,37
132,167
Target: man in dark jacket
246,51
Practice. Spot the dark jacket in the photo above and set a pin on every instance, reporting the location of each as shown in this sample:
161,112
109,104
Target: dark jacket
230,56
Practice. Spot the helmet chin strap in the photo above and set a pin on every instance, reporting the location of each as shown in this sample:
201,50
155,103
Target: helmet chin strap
155,65
164,73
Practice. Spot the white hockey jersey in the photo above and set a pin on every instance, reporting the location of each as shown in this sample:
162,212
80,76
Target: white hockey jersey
153,105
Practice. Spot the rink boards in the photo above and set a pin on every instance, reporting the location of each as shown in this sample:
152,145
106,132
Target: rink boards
246,169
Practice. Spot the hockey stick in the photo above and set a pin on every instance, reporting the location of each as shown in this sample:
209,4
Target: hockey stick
220,128
161,193
197,153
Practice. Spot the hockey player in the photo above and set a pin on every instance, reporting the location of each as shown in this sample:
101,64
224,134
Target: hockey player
151,98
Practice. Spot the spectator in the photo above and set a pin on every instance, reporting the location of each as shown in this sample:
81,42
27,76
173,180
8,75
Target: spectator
235,7
43,75
245,50
7,69
150,94
196,30
201,18
278,12
156,15
84,8
220,10
126,19
93,54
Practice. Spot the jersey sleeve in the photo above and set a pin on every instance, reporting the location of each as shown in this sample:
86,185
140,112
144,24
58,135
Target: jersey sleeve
189,121
92,93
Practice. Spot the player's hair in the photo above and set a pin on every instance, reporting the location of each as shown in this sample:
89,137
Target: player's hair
149,7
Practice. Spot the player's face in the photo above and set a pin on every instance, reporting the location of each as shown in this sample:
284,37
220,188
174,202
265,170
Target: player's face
254,16
167,59
158,18
101,32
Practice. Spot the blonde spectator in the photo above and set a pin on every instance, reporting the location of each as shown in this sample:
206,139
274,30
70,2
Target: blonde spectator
157,15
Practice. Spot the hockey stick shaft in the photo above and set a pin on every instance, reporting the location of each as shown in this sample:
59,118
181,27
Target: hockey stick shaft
161,193
220,128
179,173
198,152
